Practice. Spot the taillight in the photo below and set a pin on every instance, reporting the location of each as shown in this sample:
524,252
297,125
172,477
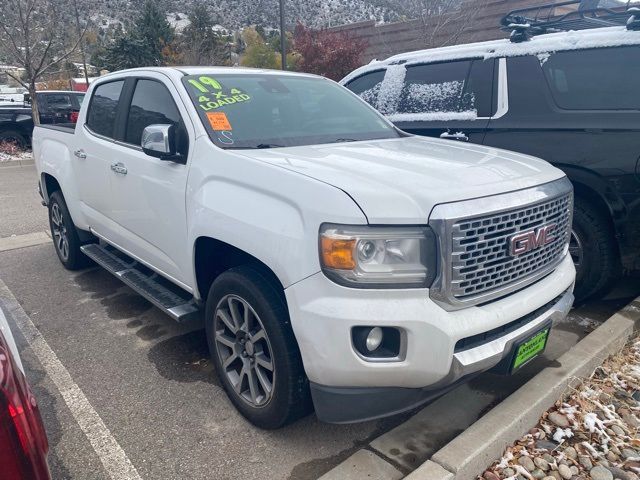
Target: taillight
23,441
73,117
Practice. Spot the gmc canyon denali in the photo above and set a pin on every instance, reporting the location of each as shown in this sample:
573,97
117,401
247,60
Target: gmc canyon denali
339,261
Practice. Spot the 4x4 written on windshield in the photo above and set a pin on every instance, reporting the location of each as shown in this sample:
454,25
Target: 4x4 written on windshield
212,95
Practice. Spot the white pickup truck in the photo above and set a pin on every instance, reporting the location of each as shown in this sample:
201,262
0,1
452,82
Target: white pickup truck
339,261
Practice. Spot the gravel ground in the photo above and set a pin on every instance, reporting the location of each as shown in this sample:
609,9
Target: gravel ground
592,434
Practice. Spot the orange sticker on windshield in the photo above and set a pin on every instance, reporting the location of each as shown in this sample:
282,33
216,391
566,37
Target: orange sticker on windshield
218,121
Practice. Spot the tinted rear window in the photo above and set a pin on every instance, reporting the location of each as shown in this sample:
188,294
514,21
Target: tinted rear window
103,108
596,79
367,86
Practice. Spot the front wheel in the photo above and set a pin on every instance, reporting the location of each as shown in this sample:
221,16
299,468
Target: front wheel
593,250
254,350
64,234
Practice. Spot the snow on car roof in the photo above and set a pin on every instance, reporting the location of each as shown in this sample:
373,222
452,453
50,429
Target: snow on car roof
552,42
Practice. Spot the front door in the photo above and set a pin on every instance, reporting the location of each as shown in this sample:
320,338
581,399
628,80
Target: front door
149,193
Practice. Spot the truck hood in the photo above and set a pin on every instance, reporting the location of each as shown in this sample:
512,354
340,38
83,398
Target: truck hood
401,180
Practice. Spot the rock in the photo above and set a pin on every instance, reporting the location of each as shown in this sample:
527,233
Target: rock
550,460
617,430
612,457
508,472
558,419
490,476
556,475
630,420
538,474
545,445
585,461
527,463
542,464
565,472
600,473
618,473
629,453
604,463
549,478
571,453
574,470
615,450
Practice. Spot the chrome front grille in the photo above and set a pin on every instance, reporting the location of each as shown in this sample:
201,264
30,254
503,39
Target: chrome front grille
480,259
476,264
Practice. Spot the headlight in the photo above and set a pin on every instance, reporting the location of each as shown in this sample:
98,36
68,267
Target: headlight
378,257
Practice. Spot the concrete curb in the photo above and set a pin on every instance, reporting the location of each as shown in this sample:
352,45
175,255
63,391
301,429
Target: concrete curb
17,163
482,443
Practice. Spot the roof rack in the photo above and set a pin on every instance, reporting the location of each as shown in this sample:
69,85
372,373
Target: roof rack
569,15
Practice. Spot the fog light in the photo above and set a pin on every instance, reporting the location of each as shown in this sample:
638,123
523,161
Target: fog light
374,339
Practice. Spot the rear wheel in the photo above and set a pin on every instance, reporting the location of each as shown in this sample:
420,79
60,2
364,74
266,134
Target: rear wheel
253,348
14,137
593,249
65,234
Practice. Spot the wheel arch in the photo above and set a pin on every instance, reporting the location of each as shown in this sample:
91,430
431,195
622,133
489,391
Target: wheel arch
48,184
213,257
18,127
595,190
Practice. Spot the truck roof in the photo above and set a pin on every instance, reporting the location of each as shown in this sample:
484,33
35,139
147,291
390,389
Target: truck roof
208,70
551,42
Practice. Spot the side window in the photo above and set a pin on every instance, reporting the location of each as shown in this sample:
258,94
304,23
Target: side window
101,117
437,88
368,86
595,79
479,87
152,104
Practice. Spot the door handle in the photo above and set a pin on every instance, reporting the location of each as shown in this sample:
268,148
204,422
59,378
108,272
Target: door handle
119,168
455,136
80,154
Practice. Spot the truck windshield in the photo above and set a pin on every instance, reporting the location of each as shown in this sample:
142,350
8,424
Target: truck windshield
270,110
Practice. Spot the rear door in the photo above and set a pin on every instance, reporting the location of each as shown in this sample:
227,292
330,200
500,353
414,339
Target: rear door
149,193
94,155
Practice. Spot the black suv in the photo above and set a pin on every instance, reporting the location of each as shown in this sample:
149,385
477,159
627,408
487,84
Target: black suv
16,122
571,98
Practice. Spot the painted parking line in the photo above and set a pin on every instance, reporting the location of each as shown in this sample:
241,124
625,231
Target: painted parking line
22,241
111,454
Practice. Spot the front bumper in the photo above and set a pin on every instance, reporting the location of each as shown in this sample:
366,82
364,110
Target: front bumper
359,404
442,348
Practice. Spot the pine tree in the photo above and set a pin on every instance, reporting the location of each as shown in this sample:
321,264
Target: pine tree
143,44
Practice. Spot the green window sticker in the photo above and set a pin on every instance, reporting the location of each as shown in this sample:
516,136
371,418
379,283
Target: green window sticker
212,94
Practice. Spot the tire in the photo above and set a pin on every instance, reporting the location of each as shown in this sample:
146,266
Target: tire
64,233
289,397
14,136
594,252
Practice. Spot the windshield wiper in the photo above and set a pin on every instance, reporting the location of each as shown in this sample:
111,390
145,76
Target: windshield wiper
268,145
339,140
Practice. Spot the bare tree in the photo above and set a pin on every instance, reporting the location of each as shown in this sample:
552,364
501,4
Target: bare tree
34,36
445,21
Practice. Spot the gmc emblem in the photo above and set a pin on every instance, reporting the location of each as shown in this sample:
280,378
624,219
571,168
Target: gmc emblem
526,241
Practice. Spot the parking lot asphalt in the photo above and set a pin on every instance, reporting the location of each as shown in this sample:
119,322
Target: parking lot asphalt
20,210
148,381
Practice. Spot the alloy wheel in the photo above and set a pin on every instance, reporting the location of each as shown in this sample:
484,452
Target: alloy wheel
576,249
244,351
59,230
